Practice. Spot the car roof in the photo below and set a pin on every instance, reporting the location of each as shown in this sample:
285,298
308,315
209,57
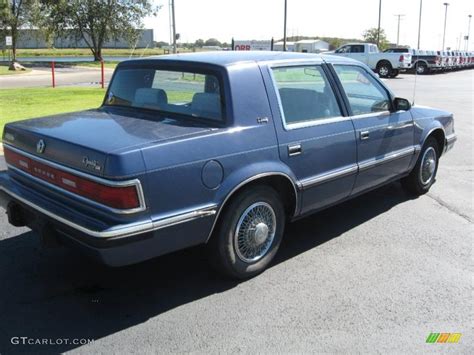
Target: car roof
228,58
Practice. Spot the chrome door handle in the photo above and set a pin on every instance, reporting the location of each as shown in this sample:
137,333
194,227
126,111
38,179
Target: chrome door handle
364,135
294,149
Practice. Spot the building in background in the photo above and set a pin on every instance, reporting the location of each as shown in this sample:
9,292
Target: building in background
32,38
252,45
305,46
311,46
290,46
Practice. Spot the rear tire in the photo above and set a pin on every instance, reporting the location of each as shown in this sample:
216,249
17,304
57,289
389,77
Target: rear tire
423,175
249,233
394,73
384,69
421,68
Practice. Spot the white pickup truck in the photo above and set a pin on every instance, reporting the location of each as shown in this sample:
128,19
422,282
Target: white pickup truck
387,65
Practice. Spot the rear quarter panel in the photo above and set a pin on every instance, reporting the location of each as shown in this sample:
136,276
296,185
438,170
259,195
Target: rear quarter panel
178,172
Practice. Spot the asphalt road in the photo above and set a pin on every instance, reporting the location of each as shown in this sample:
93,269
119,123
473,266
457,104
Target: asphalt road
40,77
374,275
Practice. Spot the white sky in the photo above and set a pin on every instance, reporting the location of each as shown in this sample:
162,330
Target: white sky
263,19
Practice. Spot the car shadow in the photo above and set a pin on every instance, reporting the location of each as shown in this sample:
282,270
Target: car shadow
49,295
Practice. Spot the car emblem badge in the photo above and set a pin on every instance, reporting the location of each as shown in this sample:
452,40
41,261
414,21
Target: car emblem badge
40,146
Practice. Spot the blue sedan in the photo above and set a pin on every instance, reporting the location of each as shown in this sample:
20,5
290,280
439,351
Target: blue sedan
221,149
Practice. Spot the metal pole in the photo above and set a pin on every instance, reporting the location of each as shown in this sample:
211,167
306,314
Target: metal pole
419,25
170,20
378,28
398,28
174,26
468,32
445,18
102,74
53,79
284,28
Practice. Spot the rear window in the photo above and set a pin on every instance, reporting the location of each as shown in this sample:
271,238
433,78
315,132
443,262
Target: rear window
180,93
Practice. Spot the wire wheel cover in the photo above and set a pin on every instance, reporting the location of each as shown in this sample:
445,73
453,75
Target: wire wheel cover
255,232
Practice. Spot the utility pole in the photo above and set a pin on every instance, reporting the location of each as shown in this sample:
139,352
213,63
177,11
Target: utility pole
170,20
445,18
378,28
419,25
284,27
468,32
174,26
398,28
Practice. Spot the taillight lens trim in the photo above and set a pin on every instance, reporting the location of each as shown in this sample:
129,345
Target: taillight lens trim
121,197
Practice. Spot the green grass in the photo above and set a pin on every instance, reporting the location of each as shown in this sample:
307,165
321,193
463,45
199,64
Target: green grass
68,52
19,104
200,78
4,71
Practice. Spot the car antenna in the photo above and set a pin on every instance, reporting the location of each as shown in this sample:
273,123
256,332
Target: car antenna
414,86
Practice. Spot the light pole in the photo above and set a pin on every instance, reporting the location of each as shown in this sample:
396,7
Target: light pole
419,25
378,28
445,18
284,28
174,26
398,28
468,32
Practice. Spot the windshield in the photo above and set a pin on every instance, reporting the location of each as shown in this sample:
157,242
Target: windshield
182,93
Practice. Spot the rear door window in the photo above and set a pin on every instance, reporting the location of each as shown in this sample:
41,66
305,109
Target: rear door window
305,94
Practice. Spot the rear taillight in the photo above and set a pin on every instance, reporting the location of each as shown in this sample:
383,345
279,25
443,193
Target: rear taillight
401,59
114,196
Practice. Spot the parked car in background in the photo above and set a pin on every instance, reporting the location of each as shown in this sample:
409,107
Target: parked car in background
221,149
444,59
387,64
422,61
425,62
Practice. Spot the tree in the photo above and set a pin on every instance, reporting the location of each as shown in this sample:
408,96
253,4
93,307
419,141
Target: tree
97,21
199,43
370,36
161,44
212,42
15,14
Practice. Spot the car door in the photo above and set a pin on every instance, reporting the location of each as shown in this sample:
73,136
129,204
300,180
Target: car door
358,53
385,139
316,139
343,51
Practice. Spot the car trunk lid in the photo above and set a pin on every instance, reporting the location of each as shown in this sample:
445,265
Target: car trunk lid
96,141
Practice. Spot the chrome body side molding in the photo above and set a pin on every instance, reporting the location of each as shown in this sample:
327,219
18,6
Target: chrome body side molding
124,230
328,176
370,163
450,140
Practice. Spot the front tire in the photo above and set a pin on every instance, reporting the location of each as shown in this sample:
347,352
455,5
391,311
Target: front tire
423,175
249,233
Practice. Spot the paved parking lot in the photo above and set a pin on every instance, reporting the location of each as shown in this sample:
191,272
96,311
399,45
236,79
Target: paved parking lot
376,274
41,77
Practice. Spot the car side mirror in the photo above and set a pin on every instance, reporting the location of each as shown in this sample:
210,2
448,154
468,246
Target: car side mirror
400,104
